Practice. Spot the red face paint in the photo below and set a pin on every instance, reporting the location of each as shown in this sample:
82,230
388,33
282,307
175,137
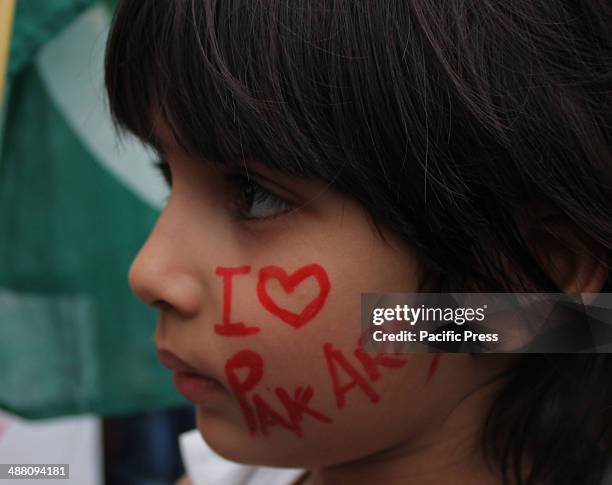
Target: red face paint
433,367
254,363
227,328
371,363
268,417
297,406
334,358
289,283
262,412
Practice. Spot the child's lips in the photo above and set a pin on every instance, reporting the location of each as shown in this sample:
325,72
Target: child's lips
196,388
189,381
173,362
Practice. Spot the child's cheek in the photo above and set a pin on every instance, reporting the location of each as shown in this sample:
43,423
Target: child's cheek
296,362
281,298
273,321
324,398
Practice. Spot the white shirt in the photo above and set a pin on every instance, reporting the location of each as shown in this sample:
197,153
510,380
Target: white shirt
205,467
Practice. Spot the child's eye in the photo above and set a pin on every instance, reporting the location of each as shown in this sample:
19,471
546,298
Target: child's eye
253,201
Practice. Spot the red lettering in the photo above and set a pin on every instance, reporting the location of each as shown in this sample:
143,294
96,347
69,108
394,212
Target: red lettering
372,362
297,406
227,328
334,358
254,363
289,283
261,411
433,367
268,417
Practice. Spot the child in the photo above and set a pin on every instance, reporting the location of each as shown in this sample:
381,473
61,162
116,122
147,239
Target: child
320,150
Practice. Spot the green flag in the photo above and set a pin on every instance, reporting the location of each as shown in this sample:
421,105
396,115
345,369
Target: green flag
75,206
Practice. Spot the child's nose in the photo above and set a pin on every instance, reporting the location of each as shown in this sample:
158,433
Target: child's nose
162,276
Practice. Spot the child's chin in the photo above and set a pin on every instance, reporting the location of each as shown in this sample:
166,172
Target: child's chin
278,449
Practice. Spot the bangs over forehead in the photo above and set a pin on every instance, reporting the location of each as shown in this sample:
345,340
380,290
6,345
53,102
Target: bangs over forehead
302,86
231,80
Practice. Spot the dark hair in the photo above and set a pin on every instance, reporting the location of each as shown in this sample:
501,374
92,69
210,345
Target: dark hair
442,118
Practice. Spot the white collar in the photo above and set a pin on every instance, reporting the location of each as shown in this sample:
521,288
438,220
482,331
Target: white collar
205,467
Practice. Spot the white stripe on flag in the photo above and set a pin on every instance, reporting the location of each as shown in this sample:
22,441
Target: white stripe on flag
72,68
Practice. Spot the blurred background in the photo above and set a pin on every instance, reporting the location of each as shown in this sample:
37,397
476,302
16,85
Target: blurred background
80,380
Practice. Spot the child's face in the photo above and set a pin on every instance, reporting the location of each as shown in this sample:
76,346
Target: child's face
270,308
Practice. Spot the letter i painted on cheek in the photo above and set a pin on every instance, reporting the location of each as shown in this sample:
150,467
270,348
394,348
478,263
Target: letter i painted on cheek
334,358
227,328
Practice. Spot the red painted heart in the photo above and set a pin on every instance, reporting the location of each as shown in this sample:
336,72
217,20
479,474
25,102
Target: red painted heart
289,283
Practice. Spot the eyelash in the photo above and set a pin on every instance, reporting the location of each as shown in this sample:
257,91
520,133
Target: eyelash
239,183
259,195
